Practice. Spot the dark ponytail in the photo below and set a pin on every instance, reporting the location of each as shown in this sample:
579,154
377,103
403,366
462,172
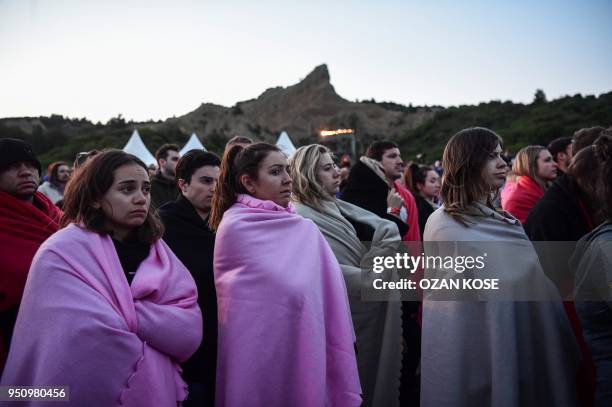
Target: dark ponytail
418,175
409,175
237,161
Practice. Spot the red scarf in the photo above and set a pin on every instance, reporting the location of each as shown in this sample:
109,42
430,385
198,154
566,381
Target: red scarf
413,234
23,228
519,198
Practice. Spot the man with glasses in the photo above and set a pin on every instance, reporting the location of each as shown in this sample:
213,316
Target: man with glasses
163,186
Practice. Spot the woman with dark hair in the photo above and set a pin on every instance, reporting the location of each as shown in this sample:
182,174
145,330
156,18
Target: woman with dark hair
568,211
108,310
593,264
490,347
535,169
285,334
424,183
378,324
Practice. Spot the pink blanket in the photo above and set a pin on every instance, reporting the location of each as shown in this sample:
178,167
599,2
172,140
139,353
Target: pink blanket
285,334
81,325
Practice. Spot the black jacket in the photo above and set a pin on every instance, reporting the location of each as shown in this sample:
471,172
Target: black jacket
368,191
163,190
188,236
558,217
425,209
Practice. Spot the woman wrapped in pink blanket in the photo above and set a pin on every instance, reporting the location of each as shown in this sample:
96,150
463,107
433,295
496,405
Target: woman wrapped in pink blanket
108,310
285,334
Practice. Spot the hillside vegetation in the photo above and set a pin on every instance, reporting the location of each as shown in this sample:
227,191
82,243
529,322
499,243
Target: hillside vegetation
519,125
418,130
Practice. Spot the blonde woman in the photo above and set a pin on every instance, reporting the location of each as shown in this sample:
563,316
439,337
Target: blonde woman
535,169
316,180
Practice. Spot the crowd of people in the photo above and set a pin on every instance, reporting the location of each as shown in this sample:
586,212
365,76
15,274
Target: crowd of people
238,281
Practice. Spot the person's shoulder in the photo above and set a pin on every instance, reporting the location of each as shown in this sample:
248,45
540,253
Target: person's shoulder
360,173
442,226
559,190
441,216
169,209
547,208
601,233
158,179
71,237
44,186
231,219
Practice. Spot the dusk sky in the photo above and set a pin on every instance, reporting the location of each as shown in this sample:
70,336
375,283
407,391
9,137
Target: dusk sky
157,59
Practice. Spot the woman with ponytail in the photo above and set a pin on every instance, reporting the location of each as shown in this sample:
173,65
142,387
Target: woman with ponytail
285,334
424,183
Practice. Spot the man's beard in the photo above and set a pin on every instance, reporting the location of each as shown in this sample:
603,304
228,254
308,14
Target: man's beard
170,172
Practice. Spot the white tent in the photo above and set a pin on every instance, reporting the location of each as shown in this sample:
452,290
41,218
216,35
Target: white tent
192,144
136,147
285,144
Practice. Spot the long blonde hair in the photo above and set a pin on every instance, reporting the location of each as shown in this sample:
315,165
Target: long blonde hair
307,189
526,164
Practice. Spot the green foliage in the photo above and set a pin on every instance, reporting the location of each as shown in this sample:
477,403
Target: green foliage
519,125
58,138
539,97
396,107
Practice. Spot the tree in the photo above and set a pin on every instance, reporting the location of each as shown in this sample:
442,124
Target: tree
539,97
118,121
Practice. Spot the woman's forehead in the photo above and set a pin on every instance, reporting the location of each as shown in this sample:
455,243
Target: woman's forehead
274,158
325,159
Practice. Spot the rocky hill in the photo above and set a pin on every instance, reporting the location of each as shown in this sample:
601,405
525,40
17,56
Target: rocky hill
302,110
311,105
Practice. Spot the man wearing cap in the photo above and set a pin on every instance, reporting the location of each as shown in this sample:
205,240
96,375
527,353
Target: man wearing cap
27,219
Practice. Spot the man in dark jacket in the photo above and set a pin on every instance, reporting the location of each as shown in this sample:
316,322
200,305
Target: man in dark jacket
566,212
370,184
163,187
188,235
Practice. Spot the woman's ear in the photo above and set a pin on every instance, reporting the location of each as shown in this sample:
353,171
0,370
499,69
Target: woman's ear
95,205
247,183
182,185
